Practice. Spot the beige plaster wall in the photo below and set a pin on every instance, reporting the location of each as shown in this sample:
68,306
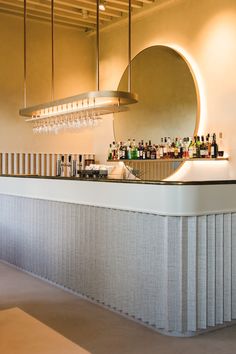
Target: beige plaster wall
74,73
205,30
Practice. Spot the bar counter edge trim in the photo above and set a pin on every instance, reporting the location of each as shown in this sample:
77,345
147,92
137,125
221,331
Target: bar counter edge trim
110,180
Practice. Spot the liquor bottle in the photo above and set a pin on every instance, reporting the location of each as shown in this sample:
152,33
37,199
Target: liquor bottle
81,162
185,148
124,150
169,147
113,150
161,149
158,155
181,148
110,152
62,166
190,148
194,147
208,140
74,166
203,148
120,151
172,149
144,150
153,152
134,150
220,145
148,150
198,147
176,149
58,166
140,151
165,149
214,147
69,166
128,147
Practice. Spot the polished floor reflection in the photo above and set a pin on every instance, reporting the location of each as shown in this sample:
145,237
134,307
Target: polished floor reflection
95,329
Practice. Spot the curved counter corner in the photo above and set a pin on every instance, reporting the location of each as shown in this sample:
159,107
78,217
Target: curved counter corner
162,253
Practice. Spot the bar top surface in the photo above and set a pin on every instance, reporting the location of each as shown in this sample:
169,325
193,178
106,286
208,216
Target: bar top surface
161,198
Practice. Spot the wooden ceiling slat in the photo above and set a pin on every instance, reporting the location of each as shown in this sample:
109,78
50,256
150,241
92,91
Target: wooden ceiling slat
47,15
72,12
91,6
45,5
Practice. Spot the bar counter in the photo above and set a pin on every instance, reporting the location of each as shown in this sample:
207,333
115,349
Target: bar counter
162,253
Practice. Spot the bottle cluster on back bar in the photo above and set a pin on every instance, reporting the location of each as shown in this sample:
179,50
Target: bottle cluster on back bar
177,148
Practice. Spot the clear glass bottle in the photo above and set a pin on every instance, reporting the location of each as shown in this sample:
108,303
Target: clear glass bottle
190,148
220,145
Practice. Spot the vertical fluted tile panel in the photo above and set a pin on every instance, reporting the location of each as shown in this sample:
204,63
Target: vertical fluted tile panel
192,274
174,281
211,265
174,273
233,266
184,273
219,269
201,272
227,276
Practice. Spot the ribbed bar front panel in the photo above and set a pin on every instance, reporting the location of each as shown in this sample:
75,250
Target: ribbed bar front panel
177,274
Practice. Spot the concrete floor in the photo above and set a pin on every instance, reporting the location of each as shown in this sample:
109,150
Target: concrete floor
95,329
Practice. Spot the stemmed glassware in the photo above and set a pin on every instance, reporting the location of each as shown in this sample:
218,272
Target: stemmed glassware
66,122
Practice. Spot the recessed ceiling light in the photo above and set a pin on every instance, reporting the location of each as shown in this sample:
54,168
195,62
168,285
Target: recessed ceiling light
102,5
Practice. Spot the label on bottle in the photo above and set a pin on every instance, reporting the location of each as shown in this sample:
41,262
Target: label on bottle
190,151
203,152
212,151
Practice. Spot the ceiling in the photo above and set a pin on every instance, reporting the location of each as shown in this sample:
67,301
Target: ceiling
80,14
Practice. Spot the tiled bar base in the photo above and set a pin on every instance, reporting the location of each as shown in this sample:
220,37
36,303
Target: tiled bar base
176,274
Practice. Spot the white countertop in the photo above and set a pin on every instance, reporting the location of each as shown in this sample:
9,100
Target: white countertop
175,200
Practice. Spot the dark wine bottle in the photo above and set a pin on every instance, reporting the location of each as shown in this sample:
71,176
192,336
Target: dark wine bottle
214,147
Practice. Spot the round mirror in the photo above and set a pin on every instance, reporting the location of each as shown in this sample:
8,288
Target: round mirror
167,103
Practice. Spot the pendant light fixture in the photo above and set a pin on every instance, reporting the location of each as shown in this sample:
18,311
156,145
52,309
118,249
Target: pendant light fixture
80,110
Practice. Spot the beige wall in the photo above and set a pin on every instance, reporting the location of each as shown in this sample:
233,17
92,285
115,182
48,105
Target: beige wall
206,31
74,73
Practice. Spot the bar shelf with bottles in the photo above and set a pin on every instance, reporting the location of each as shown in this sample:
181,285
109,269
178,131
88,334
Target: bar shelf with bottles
203,148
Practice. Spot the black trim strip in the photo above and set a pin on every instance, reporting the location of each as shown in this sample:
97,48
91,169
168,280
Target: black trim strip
107,180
